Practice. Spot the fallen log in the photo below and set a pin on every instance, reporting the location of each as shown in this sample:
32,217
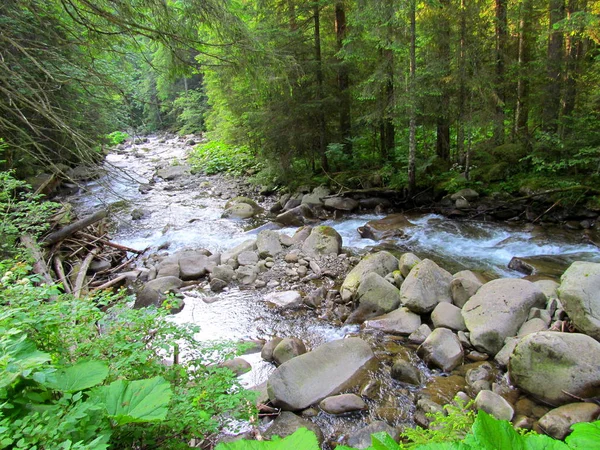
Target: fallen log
39,265
67,231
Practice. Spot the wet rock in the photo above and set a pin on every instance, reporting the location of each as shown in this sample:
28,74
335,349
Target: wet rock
532,326
537,313
407,262
217,285
362,438
548,287
557,422
267,351
474,355
463,286
286,240
547,364
406,372
503,356
287,423
388,227
484,371
380,263
268,244
247,274
285,299
301,234
400,321
238,211
239,366
441,349
374,202
232,254
247,258
194,266
154,292
376,297
442,390
168,269
498,310
327,370
495,405
462,203
315,298
173,172
579,294
447,315
287,349
343,403
223,272
420,334
323,240
316,197
467,194
99,266
425,407
426,285
295,217
341,203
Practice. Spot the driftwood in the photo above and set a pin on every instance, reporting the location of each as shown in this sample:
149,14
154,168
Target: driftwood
112,244
39,266
78,287
60,273
110,283
67,231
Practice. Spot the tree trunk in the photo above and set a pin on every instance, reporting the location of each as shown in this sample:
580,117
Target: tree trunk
462,82
525,34
291,10
575,53
412,127
443,117
551,105
343,80
319,76
501,38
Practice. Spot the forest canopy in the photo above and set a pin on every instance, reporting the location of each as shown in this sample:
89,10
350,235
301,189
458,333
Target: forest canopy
394,92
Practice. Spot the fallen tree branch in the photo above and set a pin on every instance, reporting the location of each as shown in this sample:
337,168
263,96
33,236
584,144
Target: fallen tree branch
39,265
60,273
112,244
110,283
67,231
82,273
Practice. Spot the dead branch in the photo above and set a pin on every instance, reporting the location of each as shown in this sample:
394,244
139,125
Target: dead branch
39,266
60,273
77,288
74,227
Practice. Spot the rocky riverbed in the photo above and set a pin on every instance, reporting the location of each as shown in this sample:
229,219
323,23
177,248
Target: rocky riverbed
352,340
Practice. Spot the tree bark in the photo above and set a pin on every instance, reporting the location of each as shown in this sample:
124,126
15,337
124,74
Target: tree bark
343,80
462,85
412,127
319,77
443,117
551,105
525,34
501,38
67,231
575,53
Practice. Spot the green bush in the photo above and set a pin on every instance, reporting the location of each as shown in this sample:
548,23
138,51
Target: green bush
117,137
217,157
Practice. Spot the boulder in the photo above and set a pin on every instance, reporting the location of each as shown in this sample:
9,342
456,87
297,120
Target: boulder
467,194
247,274
426,285
239,366
343,403
495,405
447,315
579,294
247,258
550,364
285,299
557,422
327,370
288,423
388,227
233,253
217,285
341,203
316,197
239,211
442,349
406,372
287,349
361,438
173,172
194,266
154,292
323,240
532,326
295,217
223,272
420,334
498,310
503,356
407,262
376,296
548,287
267,351
268,244
245,201
380,263
400,321
168,269
463,286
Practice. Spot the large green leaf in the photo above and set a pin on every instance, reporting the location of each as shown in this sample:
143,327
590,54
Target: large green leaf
83,375
302,439
585,435
383,441
135,401
19,357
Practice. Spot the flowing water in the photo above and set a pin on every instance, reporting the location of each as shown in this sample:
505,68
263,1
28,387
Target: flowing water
186,212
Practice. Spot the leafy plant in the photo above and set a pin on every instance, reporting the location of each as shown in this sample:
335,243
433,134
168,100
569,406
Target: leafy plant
117,137
217,157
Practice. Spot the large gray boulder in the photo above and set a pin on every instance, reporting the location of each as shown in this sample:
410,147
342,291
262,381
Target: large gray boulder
376,296
296,217
498,310
494,404
549,364
341,203
288,423
579,293
380,263
400,321
233,253
343,403
287,349
323,240
442,349
407,262
173,172
284,299
388,227
426,285
238,211
557,422
464,285
268,244
316,197
193,266
327,370
448,316
154,292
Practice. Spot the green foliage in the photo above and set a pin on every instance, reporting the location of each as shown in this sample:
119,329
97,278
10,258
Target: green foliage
21,212
302,439
117,137
218,157
191,109
66,363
